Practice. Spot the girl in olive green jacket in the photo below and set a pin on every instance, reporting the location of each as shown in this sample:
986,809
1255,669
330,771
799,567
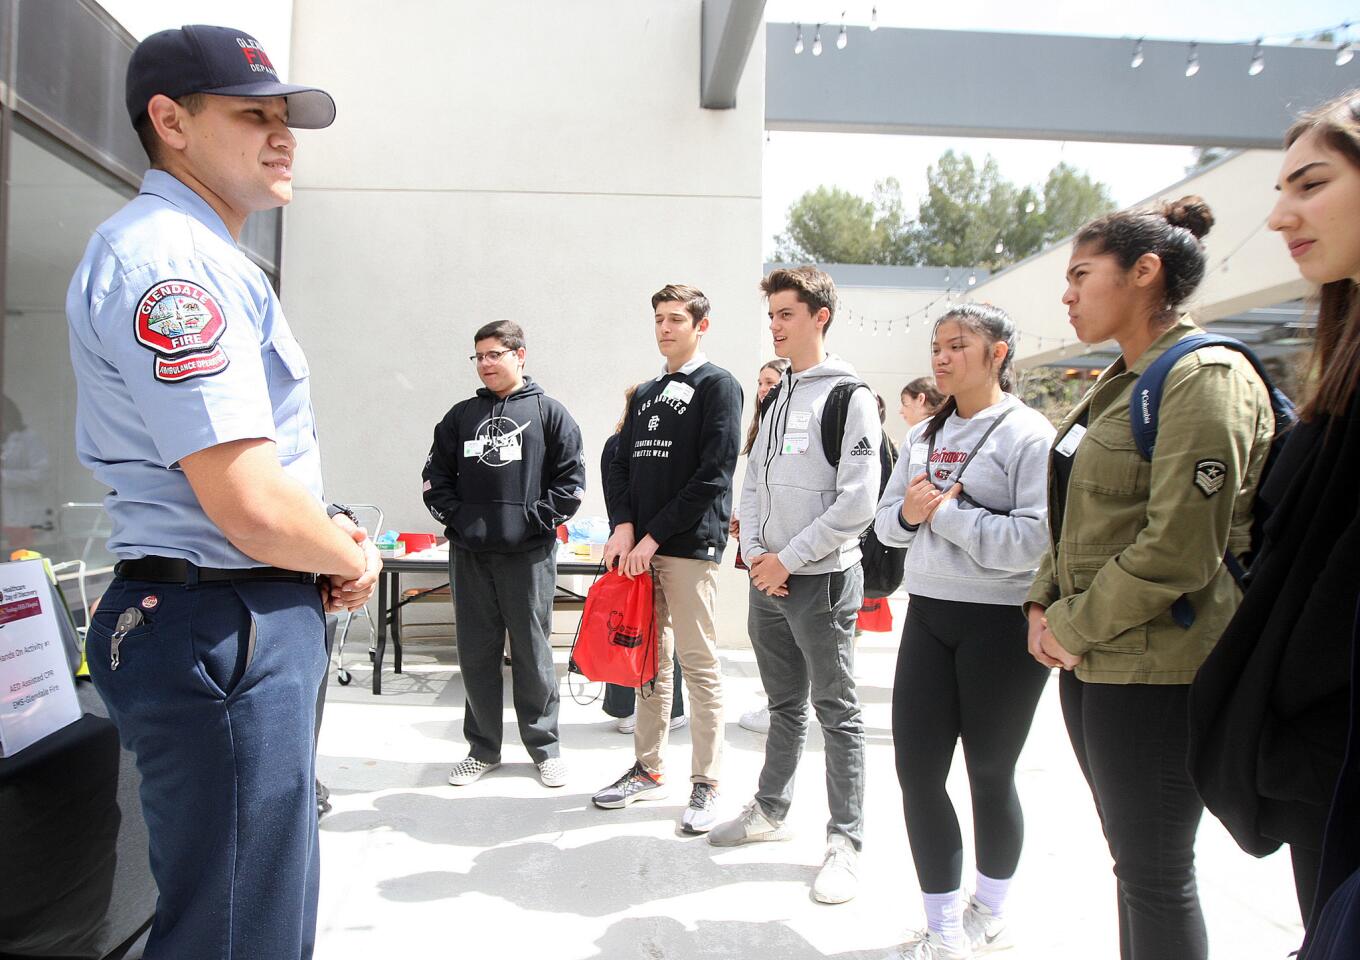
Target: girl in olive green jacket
1131,538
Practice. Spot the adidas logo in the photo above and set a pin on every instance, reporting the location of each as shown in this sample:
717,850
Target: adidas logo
862,449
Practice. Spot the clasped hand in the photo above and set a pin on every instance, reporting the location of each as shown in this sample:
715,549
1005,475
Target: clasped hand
924,498
339,594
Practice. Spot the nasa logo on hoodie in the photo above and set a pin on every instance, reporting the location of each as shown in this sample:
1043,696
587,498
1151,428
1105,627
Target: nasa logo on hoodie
497,443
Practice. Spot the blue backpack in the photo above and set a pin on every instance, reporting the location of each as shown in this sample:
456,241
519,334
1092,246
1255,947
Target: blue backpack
1144,404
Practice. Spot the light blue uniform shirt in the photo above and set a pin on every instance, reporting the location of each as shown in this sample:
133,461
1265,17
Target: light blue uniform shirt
179,343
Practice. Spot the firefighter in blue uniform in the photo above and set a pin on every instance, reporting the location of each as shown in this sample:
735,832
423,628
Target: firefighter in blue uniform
193,408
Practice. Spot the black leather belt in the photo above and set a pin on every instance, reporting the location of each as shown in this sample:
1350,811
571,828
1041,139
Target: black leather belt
175,570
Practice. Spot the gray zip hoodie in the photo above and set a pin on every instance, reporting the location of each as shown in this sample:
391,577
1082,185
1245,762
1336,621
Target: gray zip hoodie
976,554
793,502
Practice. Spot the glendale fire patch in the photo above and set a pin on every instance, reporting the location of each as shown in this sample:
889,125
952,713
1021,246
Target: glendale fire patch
181,323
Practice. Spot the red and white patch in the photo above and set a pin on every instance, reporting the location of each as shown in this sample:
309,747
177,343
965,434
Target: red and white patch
195,365
175,317
150,602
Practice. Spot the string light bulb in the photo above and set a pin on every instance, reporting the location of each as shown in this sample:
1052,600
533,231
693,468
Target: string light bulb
817,42
1000,247
1137,60
1345,53
1191,62
873,19
1029,207
842,38
972,278
798,43
1258,60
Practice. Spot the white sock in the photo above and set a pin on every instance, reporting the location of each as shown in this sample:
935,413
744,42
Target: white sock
944,917
991,893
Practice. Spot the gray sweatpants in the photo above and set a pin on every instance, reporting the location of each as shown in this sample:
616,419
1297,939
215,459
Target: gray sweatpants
805,642
494,593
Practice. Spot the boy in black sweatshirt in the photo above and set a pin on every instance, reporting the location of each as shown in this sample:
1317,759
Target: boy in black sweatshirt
504,471
670,498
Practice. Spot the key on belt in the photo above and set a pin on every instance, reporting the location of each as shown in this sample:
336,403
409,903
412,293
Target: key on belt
128,621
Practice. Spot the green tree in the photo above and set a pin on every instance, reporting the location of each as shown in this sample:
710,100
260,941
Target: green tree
831,225
969,216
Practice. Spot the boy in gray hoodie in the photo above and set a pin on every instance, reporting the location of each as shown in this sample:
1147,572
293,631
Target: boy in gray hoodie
802,518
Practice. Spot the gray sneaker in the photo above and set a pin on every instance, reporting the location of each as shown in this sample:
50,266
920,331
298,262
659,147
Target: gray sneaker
985,932
553,772
838,880
636,784
752,826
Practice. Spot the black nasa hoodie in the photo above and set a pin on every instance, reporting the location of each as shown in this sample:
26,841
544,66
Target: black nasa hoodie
672,474
503,473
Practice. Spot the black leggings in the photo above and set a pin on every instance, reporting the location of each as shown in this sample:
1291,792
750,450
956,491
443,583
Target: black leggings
962,671
1132,743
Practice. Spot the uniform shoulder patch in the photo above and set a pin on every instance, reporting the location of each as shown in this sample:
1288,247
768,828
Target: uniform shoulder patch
181,322
1209,476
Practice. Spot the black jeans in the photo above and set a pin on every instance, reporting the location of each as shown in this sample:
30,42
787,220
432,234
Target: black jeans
619,702
963,671
1131,741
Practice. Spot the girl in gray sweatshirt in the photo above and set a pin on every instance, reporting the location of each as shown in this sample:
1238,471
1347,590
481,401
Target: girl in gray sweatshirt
968,499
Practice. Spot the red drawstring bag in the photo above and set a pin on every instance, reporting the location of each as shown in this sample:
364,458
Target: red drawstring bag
876,616
616,641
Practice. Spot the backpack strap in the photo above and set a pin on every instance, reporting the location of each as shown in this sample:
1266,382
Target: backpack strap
833,418
1145,401
1145,404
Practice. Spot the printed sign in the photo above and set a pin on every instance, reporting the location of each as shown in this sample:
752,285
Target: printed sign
37,691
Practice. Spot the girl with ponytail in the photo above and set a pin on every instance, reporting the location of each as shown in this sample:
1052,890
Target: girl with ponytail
967,498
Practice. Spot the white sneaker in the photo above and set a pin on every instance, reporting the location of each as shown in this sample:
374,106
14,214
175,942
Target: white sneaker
750,827
678,722
757,721
985,932
702,812
628,724
838,880
553,772
926,945
469,770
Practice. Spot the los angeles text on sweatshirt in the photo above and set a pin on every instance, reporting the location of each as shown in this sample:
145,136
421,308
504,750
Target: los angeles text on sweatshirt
672,474
977,554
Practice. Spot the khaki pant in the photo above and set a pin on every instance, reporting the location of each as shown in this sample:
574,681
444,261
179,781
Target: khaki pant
686,593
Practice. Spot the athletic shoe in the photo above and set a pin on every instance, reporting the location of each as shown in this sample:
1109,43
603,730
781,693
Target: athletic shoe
926,945
628,724
838,879
553,772
636,784
751,827
702,812
469,771
678,722
985,932
757,721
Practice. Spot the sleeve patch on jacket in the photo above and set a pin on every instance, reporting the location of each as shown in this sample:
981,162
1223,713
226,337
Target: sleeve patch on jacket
1209,476
181,323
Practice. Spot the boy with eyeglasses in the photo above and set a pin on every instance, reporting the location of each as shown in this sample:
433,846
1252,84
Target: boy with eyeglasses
505,469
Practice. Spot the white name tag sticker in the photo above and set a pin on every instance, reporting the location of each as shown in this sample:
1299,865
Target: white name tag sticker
512,451
799,419
1071,440
678,391
473,448
794,443
920,453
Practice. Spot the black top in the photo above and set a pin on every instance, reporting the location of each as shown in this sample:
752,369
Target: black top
503,473
672,475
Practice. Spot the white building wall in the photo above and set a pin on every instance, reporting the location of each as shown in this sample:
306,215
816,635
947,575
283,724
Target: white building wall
541,162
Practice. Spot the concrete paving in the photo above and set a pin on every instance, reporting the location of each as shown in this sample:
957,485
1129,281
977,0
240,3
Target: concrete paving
413,867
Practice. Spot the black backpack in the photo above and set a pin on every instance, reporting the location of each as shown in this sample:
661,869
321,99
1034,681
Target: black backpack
1144,404
883,565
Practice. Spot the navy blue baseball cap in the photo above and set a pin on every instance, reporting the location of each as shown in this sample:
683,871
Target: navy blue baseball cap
220,61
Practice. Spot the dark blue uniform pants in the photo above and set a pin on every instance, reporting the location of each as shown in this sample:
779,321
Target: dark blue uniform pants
215,694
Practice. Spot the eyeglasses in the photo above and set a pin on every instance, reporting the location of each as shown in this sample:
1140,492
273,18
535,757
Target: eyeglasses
492,356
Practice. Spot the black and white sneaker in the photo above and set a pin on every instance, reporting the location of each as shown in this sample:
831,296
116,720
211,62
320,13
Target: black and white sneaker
636,784
702,812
